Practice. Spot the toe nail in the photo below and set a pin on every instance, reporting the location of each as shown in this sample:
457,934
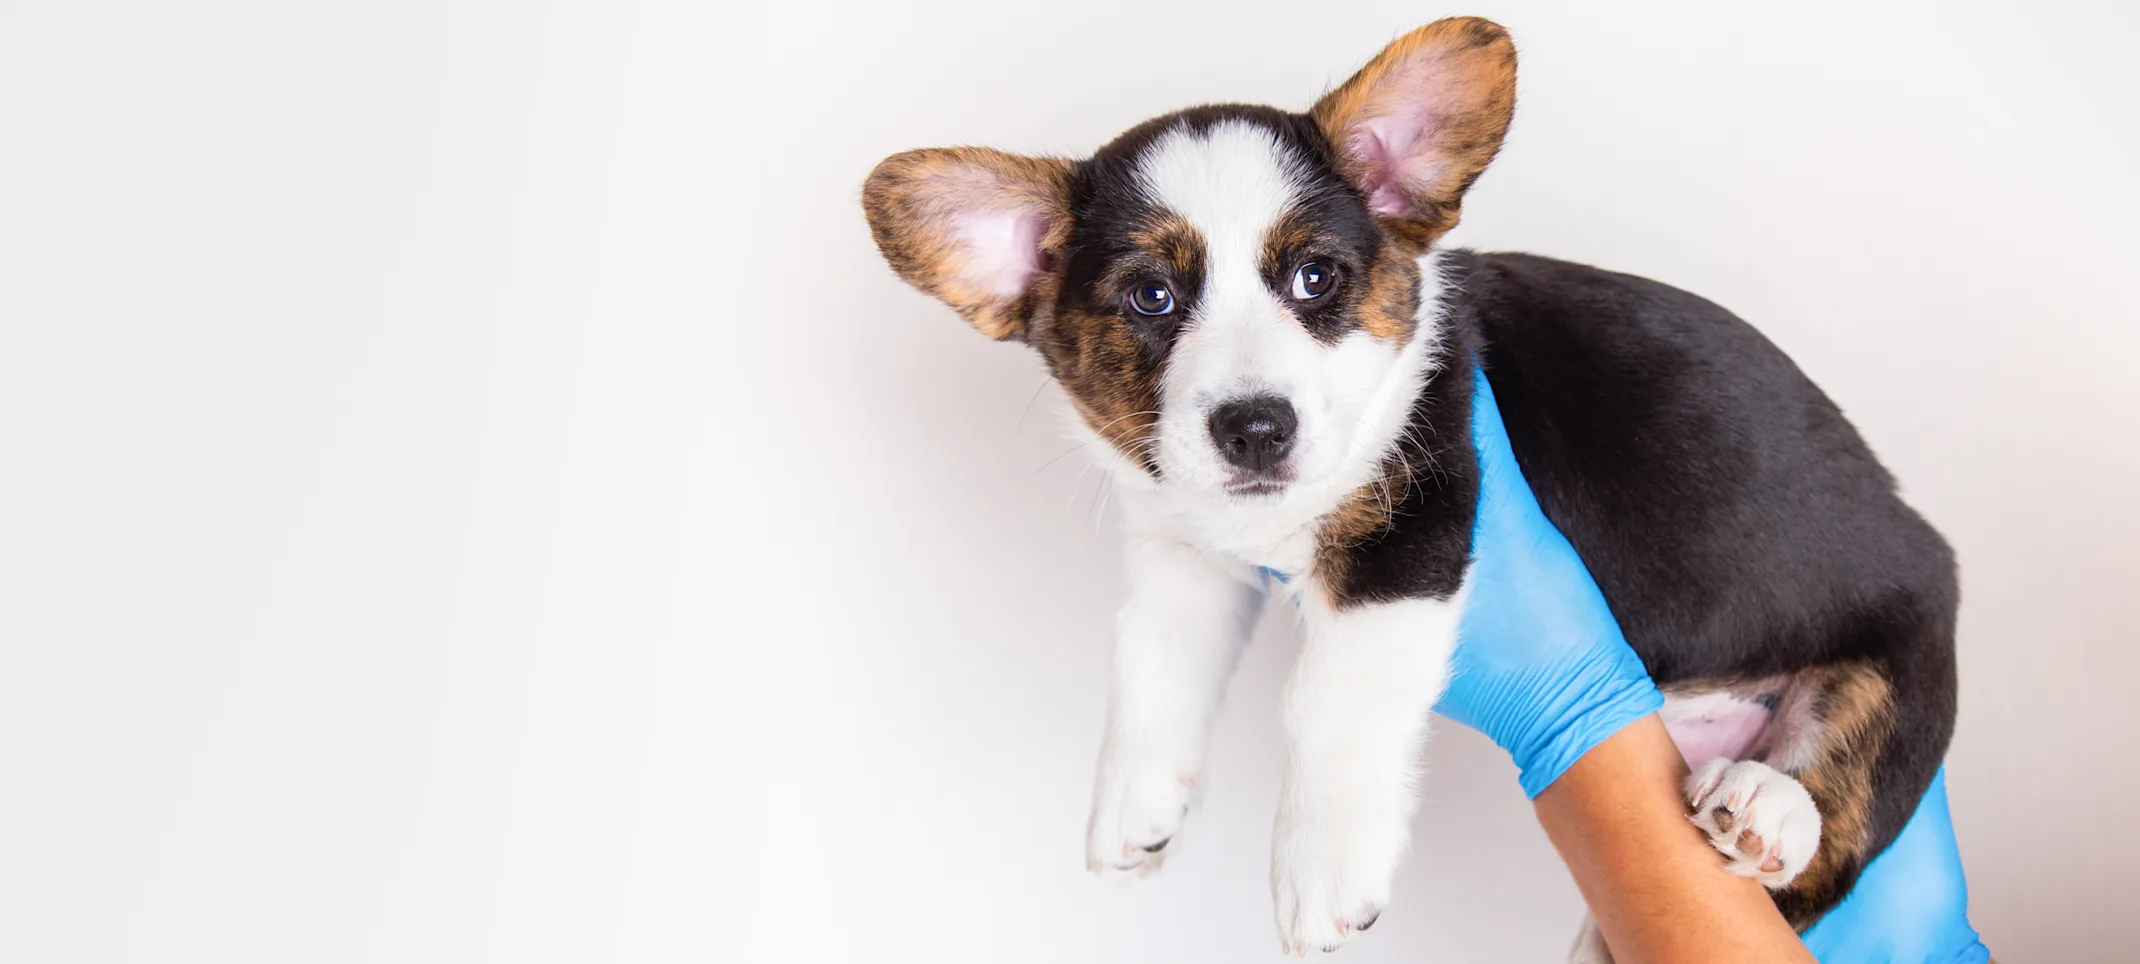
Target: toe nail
1370,921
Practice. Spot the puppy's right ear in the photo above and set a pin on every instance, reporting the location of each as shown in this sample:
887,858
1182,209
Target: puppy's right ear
981,230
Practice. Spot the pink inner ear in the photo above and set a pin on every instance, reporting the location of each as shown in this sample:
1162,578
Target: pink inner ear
1370,146
1394,144
1002,249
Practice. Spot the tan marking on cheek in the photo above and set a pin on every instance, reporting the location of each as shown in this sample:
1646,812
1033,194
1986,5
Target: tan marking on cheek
1389,308
1099,363
1099,359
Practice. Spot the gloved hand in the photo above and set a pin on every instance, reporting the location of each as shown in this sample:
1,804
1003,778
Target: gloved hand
1911,904
1541,667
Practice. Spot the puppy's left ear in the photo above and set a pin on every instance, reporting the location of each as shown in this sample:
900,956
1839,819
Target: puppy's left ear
1416,125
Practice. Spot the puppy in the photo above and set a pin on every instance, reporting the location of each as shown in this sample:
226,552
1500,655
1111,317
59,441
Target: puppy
1248,312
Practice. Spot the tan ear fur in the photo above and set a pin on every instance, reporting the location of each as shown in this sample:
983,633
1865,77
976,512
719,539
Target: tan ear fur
1419,123
979,229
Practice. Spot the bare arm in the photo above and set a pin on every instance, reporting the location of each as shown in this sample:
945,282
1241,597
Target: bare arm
1659,893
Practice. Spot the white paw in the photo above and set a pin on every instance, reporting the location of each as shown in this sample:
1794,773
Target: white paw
1758,816
1330,875
1138,802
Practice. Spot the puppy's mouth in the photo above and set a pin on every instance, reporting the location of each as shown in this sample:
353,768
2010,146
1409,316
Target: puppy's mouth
1256,487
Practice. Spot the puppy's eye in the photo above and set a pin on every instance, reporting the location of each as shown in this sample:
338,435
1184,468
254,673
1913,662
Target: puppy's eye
1151,298
1313,280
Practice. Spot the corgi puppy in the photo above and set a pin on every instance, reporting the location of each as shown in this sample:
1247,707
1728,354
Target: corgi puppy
1249,313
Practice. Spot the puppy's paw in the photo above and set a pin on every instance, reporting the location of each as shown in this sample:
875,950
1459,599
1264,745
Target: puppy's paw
1330,876
1138,804
1756,815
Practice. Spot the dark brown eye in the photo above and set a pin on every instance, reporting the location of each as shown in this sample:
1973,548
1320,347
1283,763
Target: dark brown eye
1313,280
1151,298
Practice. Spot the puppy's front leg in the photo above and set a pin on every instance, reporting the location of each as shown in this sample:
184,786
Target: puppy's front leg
1179,636
1355,720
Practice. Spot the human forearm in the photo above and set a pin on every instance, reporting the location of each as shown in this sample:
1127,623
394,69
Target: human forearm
1659,893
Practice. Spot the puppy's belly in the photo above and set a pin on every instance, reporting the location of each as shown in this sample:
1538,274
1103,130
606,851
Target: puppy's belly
1716,724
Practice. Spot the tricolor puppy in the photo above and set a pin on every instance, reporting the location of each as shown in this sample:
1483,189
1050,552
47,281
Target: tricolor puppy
1248,312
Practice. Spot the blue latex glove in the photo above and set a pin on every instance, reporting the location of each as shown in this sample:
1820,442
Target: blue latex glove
1911,904
1541,667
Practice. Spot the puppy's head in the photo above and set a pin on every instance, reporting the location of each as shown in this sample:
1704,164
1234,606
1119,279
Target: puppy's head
1223,292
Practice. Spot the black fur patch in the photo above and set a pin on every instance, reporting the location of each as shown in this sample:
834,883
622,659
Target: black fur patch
1425,547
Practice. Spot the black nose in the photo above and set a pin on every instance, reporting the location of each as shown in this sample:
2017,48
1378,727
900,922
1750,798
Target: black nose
1254,433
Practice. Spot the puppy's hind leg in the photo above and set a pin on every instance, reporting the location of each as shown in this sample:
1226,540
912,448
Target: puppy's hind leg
1828,785
1875,736
1753,813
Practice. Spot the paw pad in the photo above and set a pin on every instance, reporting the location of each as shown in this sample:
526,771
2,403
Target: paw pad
1760,818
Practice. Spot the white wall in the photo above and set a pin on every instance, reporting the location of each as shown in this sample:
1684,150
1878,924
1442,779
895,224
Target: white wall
470,491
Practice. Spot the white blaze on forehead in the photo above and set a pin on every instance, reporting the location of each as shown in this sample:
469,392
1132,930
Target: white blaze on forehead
1231,183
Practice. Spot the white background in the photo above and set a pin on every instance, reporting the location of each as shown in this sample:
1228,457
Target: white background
469,490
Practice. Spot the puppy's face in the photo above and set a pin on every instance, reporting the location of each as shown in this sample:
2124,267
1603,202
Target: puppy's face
1224,292
1228,303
